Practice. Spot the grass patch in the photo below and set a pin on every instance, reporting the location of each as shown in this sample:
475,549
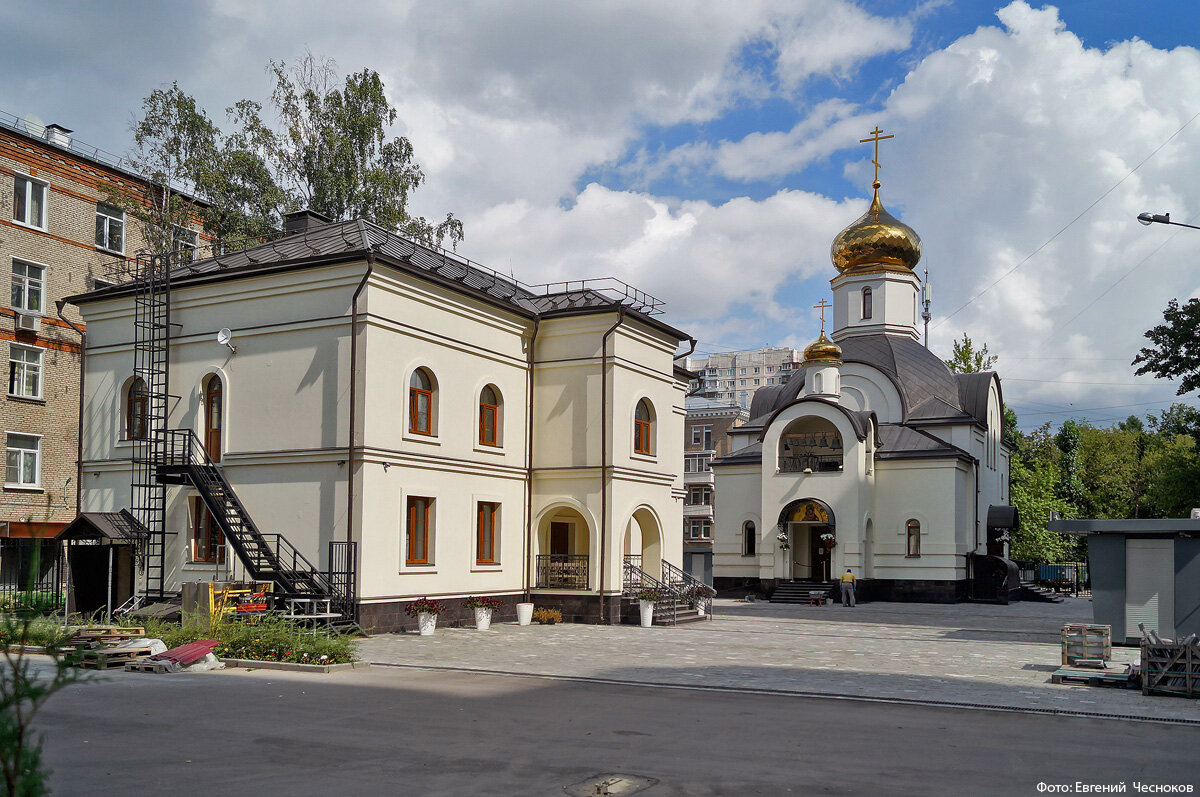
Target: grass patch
270,639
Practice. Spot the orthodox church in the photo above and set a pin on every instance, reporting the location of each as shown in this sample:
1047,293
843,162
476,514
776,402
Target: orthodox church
874,455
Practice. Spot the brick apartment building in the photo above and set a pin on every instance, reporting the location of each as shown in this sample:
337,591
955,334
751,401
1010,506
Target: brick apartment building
58,237
705,437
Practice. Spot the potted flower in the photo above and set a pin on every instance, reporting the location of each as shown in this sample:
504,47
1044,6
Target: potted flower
647,597
483,610
782,539
426,612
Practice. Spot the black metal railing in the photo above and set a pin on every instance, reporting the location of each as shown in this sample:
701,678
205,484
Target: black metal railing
690,589
817,463
343,577
562,571
1068,578
634,579
32,575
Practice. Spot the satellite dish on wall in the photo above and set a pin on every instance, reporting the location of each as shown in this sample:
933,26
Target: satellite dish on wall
224,335
33,125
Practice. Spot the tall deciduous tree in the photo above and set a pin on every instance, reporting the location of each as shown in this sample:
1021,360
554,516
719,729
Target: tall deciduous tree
1176,346
966,359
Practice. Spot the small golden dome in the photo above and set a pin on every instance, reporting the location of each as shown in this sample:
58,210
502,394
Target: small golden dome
823,350
878,241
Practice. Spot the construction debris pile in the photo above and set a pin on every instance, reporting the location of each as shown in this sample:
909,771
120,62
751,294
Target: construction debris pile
117,647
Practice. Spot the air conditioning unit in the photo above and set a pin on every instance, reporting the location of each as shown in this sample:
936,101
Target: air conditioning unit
29,323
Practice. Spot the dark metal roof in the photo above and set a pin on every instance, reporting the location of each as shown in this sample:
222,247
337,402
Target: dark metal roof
117,526
1002,517
973,393
349,240
905,442
743,456
1134,527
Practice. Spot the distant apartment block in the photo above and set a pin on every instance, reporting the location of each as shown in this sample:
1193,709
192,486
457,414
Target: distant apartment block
705,437
733,377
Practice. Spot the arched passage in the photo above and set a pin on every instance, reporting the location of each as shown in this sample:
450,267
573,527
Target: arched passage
643,541
563,550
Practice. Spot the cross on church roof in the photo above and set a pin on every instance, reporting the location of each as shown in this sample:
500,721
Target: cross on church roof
876,138
822,305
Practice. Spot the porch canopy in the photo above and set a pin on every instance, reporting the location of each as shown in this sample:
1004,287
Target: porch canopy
116,527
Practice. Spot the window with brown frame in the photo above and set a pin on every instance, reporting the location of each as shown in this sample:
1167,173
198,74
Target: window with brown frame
208,541
136,411
641,428
489,417
420,403
485,533
420,517
912,530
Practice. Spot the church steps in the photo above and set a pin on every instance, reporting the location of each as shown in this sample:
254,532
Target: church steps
798,591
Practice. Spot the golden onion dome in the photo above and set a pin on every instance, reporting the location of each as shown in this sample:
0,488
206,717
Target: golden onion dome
823,350
878,241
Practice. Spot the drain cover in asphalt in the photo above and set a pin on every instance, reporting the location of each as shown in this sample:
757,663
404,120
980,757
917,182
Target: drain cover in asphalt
600,785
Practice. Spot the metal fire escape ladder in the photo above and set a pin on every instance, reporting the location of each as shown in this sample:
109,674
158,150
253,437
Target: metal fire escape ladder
149,398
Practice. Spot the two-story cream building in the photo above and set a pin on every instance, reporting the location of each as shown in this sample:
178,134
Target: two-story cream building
467,434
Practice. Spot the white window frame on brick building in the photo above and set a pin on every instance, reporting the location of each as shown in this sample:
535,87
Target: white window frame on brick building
183,238
28,280
699,529
110,225
26,365
23,452
25,188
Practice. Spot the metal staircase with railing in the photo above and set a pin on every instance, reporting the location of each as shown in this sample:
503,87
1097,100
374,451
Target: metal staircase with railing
687,599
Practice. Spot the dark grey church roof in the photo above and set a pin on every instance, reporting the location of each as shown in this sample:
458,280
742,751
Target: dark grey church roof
903,442
929,390
352,240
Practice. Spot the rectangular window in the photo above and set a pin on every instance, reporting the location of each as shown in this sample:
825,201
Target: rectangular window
699,496
743,371
208,541
23,460
756,381
749,539
756,370
418,410
697,464
29,201
485,533
185,243
699,529
419,519
110,227
487,424
641,437
25,371
27,288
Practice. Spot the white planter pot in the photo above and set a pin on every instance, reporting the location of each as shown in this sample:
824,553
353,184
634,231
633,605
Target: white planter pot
483,619
524,613
647,613
700,609
426,623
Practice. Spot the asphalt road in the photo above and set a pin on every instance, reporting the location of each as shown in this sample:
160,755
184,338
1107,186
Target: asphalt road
414,732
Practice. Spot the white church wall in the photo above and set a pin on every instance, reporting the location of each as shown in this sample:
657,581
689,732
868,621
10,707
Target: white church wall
918,489
738,499
865,388
893,300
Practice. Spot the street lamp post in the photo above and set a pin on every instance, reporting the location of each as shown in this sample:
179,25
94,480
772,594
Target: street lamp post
1162,218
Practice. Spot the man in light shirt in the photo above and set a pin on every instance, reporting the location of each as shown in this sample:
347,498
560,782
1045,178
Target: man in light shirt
848,588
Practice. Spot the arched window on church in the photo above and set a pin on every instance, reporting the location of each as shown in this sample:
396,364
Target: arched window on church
810,444
912,533
749,539
866,303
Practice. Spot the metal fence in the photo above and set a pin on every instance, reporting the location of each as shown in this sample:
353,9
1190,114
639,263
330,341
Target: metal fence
32,575
562,571
1068,578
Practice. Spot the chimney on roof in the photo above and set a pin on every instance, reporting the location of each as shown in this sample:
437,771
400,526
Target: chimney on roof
58,135
303,221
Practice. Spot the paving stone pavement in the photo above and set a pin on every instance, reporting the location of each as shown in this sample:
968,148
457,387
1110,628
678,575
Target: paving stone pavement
964,654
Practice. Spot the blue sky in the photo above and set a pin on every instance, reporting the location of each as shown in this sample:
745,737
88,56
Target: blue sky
707,152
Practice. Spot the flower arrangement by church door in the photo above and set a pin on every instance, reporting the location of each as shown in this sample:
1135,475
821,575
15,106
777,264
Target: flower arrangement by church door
829,540
782,539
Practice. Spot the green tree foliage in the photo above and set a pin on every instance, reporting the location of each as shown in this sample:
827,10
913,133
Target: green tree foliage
966,359
1034,474
331,154
1070,485
1176,346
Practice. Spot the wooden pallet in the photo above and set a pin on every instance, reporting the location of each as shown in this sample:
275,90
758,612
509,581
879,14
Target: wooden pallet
1120,678
1171,668
122,632
111,658
1081,641
146,665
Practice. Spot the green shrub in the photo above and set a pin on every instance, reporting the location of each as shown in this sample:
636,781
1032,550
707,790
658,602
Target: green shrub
270,639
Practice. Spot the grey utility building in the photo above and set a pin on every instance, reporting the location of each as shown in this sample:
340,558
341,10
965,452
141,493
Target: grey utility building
1142,571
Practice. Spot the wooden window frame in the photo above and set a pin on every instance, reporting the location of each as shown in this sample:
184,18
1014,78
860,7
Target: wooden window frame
210,533
912,539
413,532
489,411
137,408
415,396
485,532
642,430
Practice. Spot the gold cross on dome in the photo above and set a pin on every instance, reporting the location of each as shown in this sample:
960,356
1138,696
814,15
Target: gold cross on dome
822,305
876,138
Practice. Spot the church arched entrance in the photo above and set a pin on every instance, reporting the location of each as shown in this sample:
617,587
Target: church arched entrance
809,525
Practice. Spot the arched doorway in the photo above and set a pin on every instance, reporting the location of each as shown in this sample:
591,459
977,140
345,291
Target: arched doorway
212,417
563,551
643,542
809,525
